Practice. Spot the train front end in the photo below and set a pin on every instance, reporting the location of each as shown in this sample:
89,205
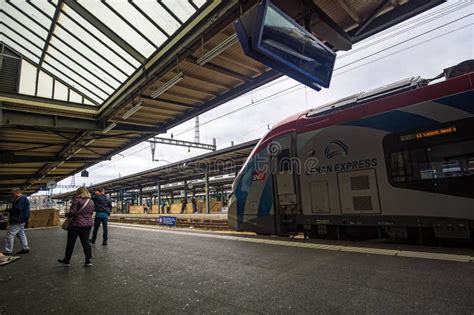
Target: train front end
251,204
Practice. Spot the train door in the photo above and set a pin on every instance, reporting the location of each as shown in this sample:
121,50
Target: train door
358,191
285,170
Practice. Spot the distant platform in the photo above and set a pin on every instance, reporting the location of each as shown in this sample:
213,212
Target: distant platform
211,221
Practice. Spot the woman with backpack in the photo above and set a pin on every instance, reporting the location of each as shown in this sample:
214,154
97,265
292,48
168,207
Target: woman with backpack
80,224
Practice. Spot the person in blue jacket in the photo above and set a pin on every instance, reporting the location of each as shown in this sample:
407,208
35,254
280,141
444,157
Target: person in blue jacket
19,215
103,207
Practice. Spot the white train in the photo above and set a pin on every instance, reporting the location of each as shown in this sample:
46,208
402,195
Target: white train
397,161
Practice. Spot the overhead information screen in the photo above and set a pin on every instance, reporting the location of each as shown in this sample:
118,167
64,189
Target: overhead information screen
275,39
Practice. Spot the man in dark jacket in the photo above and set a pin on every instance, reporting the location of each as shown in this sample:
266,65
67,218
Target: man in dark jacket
103,207
19,215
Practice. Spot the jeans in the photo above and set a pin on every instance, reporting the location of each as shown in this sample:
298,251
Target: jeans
18,230
105,235
83,234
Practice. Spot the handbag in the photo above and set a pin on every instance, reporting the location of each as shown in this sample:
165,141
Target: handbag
68,220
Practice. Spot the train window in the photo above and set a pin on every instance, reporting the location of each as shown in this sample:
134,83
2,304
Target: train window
438,159
284,161
433,162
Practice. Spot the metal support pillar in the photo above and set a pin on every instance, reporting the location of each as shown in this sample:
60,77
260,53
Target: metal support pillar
140,191
206,189
186,190
158,192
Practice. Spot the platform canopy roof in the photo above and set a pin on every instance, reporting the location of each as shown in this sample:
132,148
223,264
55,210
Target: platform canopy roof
82,80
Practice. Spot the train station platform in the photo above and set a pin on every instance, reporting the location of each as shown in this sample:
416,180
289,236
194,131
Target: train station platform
151,270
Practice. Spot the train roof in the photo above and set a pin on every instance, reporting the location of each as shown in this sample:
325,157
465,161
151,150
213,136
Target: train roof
390,97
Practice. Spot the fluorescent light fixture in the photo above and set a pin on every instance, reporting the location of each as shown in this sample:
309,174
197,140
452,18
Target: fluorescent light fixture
168,85
111,126
133,110
214,52
61,163
78,150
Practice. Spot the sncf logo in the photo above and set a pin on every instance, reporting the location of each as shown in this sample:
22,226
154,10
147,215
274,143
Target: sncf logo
335,148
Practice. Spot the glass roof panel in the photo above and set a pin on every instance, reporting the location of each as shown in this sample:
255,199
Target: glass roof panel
27,78
199,3
19,49
101,49
44,6
141,23
86,101
86,75
75,98
24,32
81,84
32,12
55,72
22,42
60,91
79,53
116,24
65,42
74,17
157,13
45,85
181,8
27,22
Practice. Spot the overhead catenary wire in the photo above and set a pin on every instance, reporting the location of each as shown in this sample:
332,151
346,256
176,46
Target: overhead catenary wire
336,69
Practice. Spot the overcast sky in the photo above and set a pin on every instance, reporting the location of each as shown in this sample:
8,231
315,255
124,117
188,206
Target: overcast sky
433,52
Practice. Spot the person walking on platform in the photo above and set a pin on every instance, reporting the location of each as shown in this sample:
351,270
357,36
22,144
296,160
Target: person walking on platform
183,205
103,208
19,215
168,206
162,206
194,203
82,208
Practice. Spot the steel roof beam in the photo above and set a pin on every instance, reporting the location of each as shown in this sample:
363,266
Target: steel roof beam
13,118
395,16
89,17
193,5
12,158
363,25
51,31
222,70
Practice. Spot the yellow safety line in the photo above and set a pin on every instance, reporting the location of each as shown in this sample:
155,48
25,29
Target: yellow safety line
341,248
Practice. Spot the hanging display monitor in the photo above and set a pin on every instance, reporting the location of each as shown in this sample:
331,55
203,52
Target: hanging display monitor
275,39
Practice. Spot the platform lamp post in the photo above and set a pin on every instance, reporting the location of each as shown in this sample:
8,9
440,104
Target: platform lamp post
140,192
158,192
206,189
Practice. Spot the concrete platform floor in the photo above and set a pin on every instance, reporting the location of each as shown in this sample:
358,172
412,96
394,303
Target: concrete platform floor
147,270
